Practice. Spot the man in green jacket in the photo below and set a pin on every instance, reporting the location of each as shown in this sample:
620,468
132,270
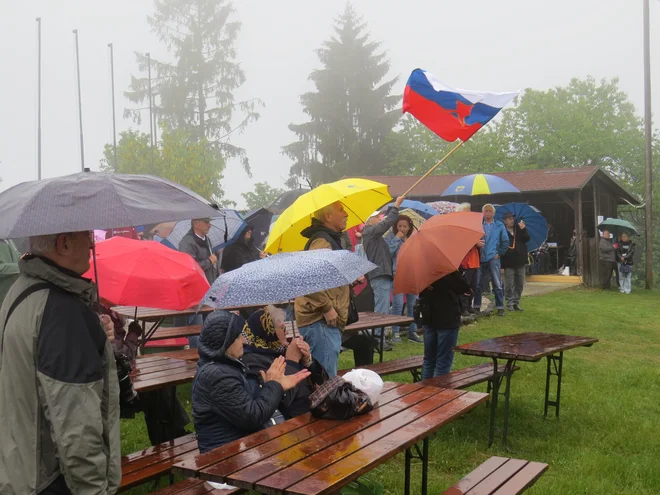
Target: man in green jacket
9,257
59,393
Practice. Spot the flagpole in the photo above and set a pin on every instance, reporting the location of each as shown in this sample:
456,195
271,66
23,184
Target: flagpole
151,113
460,143
648,135
39,98
114,119
82,146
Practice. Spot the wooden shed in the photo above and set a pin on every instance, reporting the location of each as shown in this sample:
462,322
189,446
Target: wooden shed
570,199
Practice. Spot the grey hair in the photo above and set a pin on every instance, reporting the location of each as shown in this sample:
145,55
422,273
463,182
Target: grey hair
42,244
277,314
320,214
464,207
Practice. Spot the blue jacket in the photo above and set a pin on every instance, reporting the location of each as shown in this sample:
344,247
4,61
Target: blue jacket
394,243
497,240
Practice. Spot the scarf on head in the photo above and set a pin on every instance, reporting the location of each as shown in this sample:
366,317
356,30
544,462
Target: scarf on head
259,332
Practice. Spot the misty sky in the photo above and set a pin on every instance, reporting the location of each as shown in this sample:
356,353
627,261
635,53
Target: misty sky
476,44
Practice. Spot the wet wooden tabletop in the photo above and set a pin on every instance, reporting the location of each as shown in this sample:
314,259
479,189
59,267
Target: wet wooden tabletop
155,314
157,372
528,346
308,456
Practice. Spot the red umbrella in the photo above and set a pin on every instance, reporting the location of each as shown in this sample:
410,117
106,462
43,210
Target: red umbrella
436,250
147,274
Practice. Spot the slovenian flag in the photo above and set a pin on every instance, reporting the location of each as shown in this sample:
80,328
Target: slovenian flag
451,113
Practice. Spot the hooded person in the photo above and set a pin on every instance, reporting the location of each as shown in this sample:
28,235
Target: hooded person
227,403
240,252
265,336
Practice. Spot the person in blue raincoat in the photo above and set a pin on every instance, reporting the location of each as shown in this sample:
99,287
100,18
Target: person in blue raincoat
496,243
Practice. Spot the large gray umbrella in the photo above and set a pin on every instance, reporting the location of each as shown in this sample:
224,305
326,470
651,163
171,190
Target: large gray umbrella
286,276
95,200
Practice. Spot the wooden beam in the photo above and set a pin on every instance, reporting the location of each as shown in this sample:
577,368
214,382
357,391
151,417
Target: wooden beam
580,237
567,200
596,190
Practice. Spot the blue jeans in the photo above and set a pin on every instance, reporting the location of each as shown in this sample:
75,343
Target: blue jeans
382,287
325,344
493,267
438,353
397,309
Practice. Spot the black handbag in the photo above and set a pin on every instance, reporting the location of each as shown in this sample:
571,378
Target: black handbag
353,316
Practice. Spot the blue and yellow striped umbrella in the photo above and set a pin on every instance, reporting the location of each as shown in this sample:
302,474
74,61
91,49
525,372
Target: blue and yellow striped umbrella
476,184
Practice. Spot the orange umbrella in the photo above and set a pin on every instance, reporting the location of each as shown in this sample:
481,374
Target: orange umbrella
436,250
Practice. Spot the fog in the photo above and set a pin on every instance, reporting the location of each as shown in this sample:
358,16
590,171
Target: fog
477,44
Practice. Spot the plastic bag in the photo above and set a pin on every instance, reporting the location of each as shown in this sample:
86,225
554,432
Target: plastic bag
366,380
566,272
339,399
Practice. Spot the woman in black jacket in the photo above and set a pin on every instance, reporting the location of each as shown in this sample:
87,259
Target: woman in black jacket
441,311
227,404
265,334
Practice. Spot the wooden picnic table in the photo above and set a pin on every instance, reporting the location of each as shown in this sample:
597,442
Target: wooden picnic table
530,347
158,372
311,456
375,321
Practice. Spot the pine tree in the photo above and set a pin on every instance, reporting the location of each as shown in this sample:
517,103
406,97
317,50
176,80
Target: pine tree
351,111
195,92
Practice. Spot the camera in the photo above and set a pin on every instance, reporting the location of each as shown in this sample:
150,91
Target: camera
129,400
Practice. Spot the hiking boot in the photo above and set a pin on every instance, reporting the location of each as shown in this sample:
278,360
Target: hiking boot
511,308
465,313
500,312
396,339
517,308
413,337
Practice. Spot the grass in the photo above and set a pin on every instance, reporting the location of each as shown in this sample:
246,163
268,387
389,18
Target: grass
607,440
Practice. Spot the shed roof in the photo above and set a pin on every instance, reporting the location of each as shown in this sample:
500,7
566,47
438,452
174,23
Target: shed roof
541,180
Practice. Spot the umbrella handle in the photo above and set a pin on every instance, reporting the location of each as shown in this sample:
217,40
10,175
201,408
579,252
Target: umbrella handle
97,304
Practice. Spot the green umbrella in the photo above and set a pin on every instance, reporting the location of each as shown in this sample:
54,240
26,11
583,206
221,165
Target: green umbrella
617,226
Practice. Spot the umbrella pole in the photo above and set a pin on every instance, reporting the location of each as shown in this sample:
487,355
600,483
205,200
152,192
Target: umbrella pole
96,275
460,143
293,322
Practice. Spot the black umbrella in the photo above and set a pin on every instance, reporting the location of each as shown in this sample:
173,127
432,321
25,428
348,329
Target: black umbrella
95,200
284,200
260,221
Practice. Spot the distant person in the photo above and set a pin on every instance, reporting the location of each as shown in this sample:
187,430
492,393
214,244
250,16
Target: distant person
470,267
198,245
240,252
441,310
321,317
625,253
59,393
400,233
607,259
381,278
496,243
228,402
515,261
9,272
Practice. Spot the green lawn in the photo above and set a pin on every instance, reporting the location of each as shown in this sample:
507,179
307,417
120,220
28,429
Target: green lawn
608,437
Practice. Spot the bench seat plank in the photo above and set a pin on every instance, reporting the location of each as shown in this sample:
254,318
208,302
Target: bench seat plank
193,486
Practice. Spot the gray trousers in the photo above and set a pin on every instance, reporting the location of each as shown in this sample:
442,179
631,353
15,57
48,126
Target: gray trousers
514,282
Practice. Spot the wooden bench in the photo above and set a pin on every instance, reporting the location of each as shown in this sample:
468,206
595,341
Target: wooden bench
176,332
412,364
152,463
192,486
466,377
499,476
186,355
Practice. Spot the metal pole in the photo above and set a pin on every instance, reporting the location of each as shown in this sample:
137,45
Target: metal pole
39,98
151,113
114,118
648,132
82,146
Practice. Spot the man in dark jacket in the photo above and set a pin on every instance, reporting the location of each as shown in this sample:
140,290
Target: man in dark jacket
607,259
240,252
227,404
441,311
198,245
59,393
515,261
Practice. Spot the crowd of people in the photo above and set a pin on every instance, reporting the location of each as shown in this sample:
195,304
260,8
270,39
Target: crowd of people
59,389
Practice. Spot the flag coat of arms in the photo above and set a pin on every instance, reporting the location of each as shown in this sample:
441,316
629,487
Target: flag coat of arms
450,113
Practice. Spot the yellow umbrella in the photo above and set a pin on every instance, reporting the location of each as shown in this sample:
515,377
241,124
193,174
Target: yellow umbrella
360,198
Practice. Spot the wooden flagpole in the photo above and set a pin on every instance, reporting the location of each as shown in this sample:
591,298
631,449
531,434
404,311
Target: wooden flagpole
460,143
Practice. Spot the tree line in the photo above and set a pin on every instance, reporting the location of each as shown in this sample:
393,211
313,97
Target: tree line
354,124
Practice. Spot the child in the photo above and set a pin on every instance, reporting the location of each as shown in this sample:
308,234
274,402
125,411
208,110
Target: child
624,256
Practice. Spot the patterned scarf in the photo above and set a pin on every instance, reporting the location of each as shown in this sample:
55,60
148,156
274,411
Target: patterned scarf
259,332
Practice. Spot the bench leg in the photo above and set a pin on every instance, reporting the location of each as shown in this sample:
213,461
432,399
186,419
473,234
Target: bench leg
425,466
381,341
416,375
407,472
555,364
495,383
422,455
